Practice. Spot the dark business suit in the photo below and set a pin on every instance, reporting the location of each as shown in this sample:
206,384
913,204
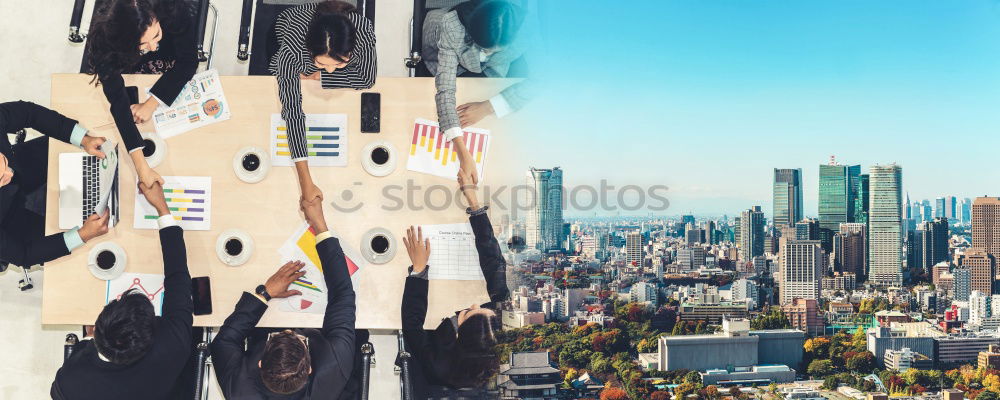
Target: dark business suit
22,213
176,59
85,376
331,347
429,350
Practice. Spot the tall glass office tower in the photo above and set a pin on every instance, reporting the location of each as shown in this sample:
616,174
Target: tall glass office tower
861,202
838,191
787,196
751,239
544,222
885,228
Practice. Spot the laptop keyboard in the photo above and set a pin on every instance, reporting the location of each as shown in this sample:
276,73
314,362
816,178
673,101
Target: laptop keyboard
91,185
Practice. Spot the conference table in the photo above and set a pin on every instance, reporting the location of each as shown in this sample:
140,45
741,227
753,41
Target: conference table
268,210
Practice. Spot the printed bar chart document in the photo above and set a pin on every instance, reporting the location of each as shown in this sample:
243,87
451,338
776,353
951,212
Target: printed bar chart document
189,199
453,252
431,154
301,246
326,140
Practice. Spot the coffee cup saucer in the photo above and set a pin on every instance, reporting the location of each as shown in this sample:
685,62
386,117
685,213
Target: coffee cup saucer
116,270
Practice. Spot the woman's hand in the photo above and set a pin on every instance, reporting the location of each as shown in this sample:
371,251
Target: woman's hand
418,248
468,188
311,193
142,112
470,113
92,145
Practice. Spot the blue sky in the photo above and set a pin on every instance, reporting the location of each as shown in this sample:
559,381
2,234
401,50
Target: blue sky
707,97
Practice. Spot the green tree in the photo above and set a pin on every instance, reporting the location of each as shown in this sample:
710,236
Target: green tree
988,395
773,319
685,389
693,377
861,362
820,368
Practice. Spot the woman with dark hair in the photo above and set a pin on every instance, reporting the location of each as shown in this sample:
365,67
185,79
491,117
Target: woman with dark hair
142,37
475,38
458,358
330,42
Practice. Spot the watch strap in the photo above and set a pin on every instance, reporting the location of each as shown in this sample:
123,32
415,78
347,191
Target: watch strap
262,291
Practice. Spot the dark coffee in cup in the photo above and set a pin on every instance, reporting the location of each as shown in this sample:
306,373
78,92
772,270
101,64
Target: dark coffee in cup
380,244
149,147
251,162
105,260
380,155
234,247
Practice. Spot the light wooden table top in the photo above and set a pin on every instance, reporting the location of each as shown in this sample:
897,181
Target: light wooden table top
267,210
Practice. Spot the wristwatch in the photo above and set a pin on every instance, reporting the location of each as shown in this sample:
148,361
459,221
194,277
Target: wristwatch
262,291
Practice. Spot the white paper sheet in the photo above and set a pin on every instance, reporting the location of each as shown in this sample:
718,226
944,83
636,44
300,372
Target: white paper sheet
301,246
453,252
150,285
326,138
201,102
189,199
431,154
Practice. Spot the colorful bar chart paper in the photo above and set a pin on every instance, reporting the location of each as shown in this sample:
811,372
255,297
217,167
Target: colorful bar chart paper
326,140
189,199
301,246
431,154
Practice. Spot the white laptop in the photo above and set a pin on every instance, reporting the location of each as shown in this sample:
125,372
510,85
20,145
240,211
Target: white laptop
88,185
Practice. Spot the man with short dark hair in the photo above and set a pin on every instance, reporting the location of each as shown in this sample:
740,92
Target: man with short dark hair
135,354
291,364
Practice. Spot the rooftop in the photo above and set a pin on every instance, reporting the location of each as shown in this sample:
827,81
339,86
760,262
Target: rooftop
530,363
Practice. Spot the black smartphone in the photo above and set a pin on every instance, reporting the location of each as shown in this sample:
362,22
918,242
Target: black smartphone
371,108
201,292
133,94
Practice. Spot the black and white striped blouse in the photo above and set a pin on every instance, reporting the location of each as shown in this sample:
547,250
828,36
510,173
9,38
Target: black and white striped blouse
293,60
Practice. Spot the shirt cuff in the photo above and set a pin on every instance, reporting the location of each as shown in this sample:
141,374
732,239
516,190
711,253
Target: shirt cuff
76,138
259,297
72,239
421,274
452,133
295,160
479,211
500,106
323,236
166,221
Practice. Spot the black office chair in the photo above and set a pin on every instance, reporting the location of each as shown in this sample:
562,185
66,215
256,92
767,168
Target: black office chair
256,51
414,61
76,36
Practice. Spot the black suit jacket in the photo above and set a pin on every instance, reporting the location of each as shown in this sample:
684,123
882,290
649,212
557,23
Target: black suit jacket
85,376
16,246
429,350
179,46
331,348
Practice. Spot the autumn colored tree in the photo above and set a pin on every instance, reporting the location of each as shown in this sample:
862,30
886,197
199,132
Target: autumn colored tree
659,395
613,394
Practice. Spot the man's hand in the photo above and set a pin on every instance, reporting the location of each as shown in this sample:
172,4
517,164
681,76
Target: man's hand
142,112
154,195
311,192
94,226
470,113
149,177
418,248
92,145
315,76
465,161
277,284
468,188
313,210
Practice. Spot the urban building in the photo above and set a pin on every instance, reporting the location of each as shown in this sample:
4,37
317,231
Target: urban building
953,350
804,315
850,249
787,196
644,292
544,219
882,338
751,242
904,359
931,241
801,270
807,229
713,313
735,346
961,284
838,191
529,375
633,248
885,238
986,224
990,358
861,203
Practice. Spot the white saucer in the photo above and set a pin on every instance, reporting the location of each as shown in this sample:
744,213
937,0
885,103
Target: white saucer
370,254
239,259
251,176
159,153
113,272
371,166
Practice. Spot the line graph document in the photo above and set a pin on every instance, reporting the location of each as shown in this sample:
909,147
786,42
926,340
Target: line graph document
150,285
453,252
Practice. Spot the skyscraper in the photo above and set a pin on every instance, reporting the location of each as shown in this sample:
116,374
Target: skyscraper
801,270
951,207
966,210
633,248
939,207
861,202
982,267
931,239
751,233
807,229
544,221
787,196
885,225
986,224
838,189
850,255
